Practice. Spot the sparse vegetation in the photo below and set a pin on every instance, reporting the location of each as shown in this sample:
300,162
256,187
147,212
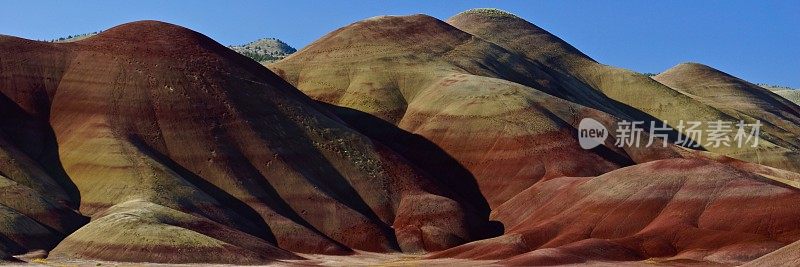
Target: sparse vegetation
71,38
490,11
772,86
258,56
265,50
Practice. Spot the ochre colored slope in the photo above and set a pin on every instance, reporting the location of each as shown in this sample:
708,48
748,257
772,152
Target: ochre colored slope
520,35
674,210
378,64
458,92
31,221
744,101
516,138
538,45
715,87
139,231
509,136
154,112
638,92
791,95
786,256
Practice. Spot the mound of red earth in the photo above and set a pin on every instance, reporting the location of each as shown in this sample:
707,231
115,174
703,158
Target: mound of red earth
503,98
417,76
670,211
182,145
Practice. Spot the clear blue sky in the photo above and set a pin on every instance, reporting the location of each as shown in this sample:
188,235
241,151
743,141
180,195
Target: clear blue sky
755,40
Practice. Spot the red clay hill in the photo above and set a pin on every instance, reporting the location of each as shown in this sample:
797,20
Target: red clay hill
417,76
503,97
174,143
410,139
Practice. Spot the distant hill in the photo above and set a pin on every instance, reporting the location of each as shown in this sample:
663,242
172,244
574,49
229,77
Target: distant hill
776,87
266,50
72,38
792,94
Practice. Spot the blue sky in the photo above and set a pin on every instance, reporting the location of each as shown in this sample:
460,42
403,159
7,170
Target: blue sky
755,40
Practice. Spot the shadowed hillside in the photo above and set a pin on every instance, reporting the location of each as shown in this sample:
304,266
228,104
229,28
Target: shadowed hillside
161,125
505,129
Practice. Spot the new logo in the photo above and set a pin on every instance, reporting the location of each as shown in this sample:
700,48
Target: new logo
591,133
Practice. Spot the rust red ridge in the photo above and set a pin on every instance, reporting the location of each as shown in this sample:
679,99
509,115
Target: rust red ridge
168,110
677,209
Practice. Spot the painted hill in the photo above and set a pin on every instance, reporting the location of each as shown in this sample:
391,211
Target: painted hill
744,101
659,211
201,138
424,76
131,231
732,95
627,88
503,98
265,51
